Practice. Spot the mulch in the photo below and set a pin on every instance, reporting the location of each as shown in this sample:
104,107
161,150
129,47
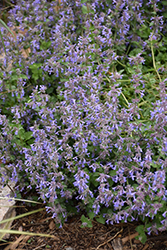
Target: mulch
72,237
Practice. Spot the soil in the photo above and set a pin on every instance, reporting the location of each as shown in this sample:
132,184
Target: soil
72,237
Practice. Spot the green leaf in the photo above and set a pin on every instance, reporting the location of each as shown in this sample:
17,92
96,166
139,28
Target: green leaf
35,66
153,165
84,9
165,15
63,79
85,222
14,77
113,172
148,225
100,219
93,178
92,28
110,182
28,135
23,76
142,236
50,90
21,134
164,3
91,215
45,45
140,229
134,52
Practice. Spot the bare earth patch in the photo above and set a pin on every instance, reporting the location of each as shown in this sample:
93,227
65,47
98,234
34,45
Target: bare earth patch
72,237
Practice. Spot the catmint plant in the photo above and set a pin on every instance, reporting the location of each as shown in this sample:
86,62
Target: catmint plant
87,108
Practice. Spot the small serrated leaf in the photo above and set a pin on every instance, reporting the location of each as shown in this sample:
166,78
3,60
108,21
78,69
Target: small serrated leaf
91,215
140,229
84,9
142,237
100,219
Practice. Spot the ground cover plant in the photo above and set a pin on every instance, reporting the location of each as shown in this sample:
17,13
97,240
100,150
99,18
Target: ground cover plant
84,114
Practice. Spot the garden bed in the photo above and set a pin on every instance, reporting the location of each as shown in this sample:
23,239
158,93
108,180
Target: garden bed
84,114
72,237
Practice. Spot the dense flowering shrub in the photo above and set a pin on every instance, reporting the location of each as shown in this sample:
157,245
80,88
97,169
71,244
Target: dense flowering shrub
84,116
